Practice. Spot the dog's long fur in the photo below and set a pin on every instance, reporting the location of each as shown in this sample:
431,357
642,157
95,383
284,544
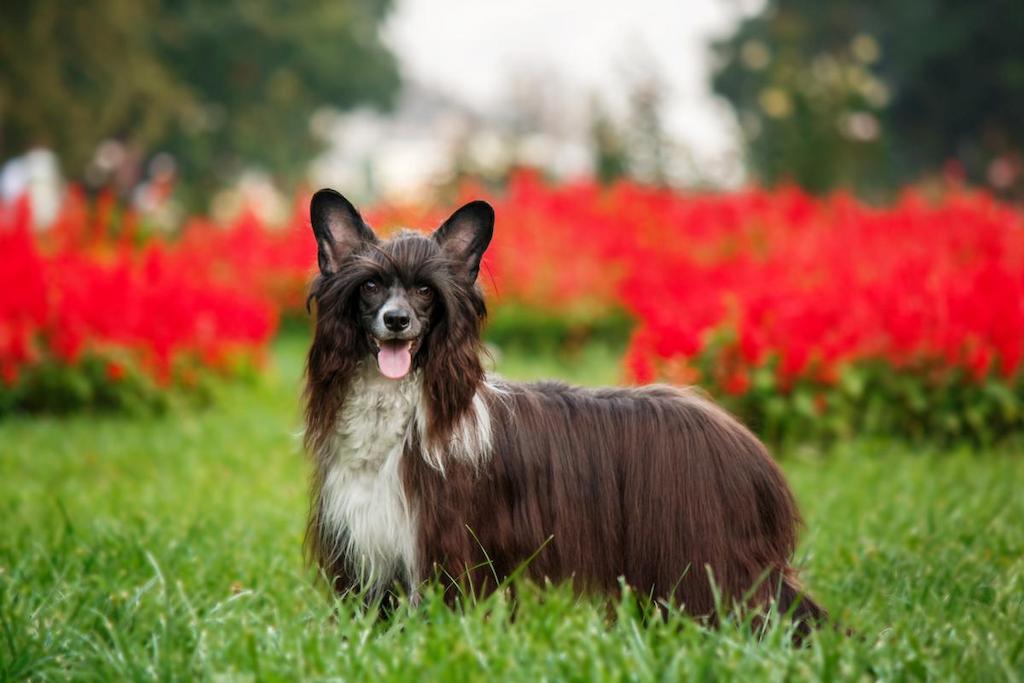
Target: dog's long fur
449,473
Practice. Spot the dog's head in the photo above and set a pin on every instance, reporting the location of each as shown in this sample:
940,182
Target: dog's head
405,300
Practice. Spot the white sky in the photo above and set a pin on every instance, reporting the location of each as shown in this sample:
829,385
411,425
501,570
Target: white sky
473,49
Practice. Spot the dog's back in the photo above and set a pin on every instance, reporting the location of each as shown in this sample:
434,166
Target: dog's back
655,485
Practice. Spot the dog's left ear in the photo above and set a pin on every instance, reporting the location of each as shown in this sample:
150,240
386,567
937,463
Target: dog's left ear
465,235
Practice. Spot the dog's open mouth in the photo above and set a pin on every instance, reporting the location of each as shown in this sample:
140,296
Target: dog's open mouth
394,357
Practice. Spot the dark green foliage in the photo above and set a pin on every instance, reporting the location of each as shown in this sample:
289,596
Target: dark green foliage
259,70
875,400
217,85
611,160
59,388
73,74
944,79
536,330
114,382
923,403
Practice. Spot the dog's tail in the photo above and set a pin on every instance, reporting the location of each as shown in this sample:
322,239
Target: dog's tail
806,614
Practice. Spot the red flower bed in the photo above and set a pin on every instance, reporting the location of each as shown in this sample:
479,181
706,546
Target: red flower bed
810,283
806,315
817,284
764,296
86,300
250,257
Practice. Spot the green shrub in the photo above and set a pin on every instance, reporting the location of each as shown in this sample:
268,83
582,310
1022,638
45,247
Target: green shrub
514,326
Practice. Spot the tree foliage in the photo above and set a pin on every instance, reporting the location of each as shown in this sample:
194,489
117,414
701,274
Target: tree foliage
218,85
76,73
865,94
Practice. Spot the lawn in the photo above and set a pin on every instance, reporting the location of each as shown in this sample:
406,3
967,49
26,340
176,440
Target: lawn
170,548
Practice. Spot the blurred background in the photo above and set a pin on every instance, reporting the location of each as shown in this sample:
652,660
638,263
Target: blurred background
177,106
781,200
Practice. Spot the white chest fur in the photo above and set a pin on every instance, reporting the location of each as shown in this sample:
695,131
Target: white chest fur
362,499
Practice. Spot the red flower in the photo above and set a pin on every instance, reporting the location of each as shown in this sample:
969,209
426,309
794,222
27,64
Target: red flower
737,383
115,371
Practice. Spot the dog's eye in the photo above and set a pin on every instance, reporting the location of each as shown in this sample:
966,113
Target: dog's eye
370,286
425,292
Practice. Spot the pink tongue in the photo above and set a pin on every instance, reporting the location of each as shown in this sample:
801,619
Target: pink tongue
394,358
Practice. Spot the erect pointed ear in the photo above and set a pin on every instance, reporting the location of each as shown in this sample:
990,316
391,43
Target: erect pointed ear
465,235
338,227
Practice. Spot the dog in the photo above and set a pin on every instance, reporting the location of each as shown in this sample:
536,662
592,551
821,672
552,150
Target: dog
427,467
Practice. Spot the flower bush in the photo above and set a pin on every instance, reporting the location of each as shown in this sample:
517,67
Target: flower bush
89,319
832,317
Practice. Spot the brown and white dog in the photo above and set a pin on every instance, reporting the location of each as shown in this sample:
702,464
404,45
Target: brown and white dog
426,467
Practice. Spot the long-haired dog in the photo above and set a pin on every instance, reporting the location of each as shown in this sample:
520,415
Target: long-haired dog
427,467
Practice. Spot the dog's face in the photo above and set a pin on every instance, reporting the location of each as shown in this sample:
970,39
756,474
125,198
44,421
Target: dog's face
396,292
394,311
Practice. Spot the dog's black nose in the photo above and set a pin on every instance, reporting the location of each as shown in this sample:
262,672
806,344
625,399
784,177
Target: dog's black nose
396,321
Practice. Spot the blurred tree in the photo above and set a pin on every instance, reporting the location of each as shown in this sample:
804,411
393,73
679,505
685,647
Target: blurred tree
865,94
258,71
647,141
611,160
637,146
218,85
74,74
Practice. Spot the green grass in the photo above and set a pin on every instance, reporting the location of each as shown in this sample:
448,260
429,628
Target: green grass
170,548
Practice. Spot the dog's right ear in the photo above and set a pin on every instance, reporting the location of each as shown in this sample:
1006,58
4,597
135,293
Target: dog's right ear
338,228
